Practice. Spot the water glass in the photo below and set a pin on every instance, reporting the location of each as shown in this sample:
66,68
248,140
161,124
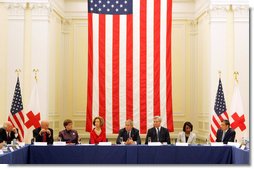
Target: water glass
149,140
121,140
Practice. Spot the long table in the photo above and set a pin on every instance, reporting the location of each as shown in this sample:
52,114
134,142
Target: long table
20,156
120,154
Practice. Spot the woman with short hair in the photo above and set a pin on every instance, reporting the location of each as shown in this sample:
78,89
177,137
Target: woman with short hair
68,134
187,136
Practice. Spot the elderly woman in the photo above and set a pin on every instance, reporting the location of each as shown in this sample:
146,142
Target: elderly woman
98,133
68,134
187,136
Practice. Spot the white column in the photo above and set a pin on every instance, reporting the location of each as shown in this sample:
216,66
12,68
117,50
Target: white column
3,61
40,51
15,48
27,69
218,49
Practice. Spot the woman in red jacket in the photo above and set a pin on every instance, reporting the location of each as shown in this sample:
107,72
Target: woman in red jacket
97,134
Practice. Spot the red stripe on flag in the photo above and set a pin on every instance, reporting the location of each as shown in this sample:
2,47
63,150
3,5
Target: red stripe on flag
156,77
89,115
226,114
211,139
143,52
214,131
129,68
168,69
216,122
102,92
22,123
18,123
115,82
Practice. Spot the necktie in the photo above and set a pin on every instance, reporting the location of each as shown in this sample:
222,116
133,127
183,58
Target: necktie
158,134
128,134
44,138
8,136
223,135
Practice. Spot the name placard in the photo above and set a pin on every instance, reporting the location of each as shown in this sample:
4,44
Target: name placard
40,143
105,144
154,144
243,147
217,144
181,144
234,144
59,143
21,144
11,149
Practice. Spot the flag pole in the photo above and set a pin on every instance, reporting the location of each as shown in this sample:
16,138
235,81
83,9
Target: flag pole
219,72
17,71
236,76
35,74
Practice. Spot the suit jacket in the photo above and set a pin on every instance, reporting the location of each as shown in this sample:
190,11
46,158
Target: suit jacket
70,136
134,135
164,135
229,136
39,138
3,136
182,139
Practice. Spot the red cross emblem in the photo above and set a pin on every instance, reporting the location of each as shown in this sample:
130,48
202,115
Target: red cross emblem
238,122
34,120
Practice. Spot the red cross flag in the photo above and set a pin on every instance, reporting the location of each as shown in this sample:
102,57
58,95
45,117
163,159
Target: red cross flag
33,114
237,117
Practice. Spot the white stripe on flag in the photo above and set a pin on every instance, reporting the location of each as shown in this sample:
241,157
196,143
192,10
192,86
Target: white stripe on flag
217,118
136,64
149,62
163,62
214,126
108,77
122,67
16,125
95,102
223,116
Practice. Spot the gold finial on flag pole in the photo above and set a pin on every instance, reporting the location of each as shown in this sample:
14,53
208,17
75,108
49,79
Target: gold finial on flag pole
236,76
35,74
219,73
18,71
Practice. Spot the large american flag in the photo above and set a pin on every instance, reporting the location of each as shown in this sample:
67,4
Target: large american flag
220,112
129,63
16,116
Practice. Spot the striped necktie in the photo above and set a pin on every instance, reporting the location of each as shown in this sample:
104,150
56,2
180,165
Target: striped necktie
158,134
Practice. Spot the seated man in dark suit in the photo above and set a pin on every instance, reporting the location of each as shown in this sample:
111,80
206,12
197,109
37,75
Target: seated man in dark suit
129,134
8,133
157,133
43,133
225,134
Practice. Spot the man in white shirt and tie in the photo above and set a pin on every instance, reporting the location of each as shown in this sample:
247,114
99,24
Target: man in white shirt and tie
128,134
157,133
225,134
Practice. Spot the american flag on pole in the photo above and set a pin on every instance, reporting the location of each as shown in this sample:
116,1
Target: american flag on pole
220,112
16,116
129,63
